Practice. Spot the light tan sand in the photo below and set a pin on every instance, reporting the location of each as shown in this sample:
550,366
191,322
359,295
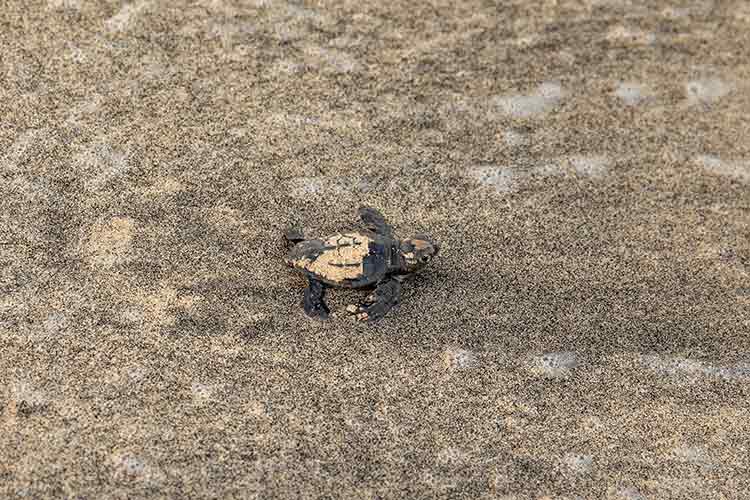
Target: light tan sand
584,333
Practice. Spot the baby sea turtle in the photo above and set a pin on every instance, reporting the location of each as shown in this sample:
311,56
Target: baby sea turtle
372,257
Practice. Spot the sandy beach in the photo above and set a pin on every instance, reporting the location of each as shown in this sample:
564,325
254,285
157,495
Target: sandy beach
584,332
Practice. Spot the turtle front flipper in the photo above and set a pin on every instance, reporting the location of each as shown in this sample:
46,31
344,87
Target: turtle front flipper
375,221
294,235
314,305
377,305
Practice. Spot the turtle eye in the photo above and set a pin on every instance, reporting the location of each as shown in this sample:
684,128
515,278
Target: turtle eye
424,258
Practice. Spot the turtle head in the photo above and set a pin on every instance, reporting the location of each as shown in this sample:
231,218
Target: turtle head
417,252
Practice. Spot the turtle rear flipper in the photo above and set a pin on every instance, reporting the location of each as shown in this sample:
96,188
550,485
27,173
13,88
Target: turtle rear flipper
377,305
314,305
375,221
294,235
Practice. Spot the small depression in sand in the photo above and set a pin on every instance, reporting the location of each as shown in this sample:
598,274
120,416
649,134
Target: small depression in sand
630,37
706,90
578,463
543,99
497,177
125,17
633,93
554,364
455,358
505,179
733,169
692,370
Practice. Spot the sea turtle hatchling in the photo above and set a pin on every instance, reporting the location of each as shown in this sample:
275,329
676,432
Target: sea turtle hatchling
358,259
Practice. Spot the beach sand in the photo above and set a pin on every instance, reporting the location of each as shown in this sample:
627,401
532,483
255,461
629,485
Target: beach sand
584,332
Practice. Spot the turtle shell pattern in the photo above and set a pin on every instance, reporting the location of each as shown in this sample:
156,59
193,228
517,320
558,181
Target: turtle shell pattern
350,259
